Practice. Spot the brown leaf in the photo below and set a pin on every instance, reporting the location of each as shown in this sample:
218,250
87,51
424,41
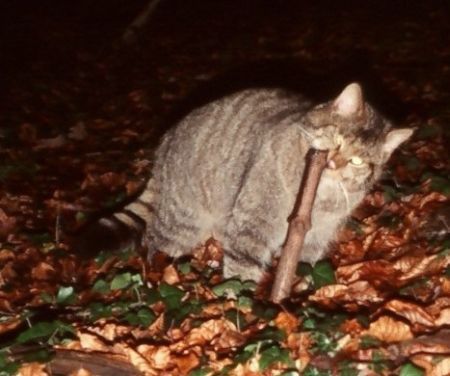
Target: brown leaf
32,369
170,275
426,266
7,224
11,324
377,271
185,363
138,360
389,330
437,343
43,272
81,372
92,342
357,294
412,312
287,322
432,366
204,334
50,143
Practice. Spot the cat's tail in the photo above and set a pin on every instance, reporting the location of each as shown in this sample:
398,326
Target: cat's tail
118,229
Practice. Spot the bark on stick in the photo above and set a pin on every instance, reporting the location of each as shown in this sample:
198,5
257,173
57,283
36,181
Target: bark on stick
299,225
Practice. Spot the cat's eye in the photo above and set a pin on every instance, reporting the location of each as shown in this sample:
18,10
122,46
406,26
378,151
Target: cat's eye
356,161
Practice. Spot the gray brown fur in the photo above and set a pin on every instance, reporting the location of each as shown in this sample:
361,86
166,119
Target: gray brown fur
232,169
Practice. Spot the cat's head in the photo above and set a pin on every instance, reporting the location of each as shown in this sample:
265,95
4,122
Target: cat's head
358,138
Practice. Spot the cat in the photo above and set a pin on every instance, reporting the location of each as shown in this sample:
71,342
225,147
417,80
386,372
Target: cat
232,169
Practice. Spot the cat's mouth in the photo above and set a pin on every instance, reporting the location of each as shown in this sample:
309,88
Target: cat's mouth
335,160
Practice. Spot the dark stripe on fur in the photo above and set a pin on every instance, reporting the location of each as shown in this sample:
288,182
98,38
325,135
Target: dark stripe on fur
243,258
136,218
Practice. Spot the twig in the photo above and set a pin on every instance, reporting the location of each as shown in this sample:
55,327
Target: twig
129,36
299,225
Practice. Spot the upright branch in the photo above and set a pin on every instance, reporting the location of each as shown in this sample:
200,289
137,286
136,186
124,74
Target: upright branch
299,225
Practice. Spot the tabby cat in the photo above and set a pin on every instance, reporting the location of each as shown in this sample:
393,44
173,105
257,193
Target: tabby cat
232,170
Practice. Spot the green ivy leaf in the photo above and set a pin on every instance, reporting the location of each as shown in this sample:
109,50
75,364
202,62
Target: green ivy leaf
8,368
203,371
323,274
145,316
264,310
152,296
369,341
65,295
291,373
101,286
121,281
273,354
184,268
47,298
236,317
171,295
347,368
43,330
438,183
309,324
313,371
410,369
390,193
324,342
271,333
99,310
137,280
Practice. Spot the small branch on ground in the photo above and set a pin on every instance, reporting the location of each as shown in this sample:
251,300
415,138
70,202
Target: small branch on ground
129,36
299,225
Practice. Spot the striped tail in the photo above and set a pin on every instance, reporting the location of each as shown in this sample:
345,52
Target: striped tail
119,230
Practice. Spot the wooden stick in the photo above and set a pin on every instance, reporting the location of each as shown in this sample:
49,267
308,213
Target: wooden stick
299,225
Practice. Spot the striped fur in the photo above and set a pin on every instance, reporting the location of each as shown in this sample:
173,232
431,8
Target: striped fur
232,170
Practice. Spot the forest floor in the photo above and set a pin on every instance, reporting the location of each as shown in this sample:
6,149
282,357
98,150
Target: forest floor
80,116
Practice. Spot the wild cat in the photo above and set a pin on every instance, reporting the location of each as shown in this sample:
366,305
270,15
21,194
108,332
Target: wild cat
232,170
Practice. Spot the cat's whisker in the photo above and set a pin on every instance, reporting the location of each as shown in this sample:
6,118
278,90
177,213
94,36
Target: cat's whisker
344,191
305,132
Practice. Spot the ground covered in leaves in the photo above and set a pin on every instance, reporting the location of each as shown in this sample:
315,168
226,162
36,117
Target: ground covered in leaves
79,122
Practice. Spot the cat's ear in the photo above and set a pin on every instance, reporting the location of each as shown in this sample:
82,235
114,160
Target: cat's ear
350,102
395,138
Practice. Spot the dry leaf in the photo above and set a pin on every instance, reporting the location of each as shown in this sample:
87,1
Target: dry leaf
377,271
81,372
92,342
286,322
135,358
389,330
360,293
185,363
412,312
50,143
10,324
170,275
427,266
43,272
432,366
32,369
205,333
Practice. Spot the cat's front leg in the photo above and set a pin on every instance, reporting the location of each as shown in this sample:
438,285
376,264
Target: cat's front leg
251,239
